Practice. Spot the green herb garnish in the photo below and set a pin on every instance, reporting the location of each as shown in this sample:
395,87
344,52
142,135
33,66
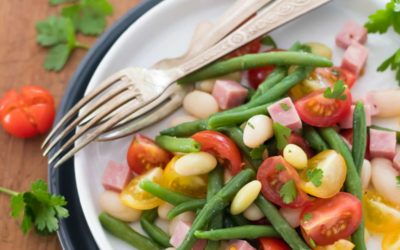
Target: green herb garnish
282,134
307,217
284,106
337,92
288,192
315,176
269,41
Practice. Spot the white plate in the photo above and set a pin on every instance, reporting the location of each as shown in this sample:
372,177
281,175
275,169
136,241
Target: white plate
165,32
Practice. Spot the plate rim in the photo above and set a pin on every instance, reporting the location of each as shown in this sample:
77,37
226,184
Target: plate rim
74,231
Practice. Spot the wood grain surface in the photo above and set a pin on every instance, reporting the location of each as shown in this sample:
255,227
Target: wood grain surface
21,63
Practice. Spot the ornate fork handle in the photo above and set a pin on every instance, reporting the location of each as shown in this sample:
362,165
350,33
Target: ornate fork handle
273,16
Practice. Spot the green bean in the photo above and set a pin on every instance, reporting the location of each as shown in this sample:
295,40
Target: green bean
353,182
153,231
228,222
249,61
241,232
216,204
314,139
163,193
388,129
186,129
124,232
215,183
275,77
240,220
174,144
234,118
192,205
359,136
288,234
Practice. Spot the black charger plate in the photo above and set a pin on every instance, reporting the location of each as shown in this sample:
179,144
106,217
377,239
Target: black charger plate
74,232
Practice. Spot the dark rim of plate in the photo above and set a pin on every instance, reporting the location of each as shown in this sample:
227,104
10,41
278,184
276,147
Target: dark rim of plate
74,231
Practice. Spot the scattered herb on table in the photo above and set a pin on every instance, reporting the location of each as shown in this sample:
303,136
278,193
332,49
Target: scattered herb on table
40,208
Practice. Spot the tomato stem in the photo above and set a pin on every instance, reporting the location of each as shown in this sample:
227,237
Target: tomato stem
8,191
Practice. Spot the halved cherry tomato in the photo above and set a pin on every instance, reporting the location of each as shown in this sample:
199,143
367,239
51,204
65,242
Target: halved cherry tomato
391,241
333,168
222,146
338,245
250,48
319,111
381,216
135,197
325,221
195,185
28,112
322,78
273,244
144,154
273,173
301,142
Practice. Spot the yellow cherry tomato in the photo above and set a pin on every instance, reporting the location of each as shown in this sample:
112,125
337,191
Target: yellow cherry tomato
194,186
311,83
338,245
391,241
381,216
324,175
135,197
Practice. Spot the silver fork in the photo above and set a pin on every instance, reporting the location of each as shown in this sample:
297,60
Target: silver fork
204,37
143,86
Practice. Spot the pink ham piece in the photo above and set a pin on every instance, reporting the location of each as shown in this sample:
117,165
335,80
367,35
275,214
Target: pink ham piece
239,245
396,161
229,93
116,176
182,228
351,32
368,99
347,121
354,58
284,112
382,143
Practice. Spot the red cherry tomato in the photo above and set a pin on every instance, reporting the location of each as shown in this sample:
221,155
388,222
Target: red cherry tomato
275,172
301,142
222,146
333,74
250,48
319,111
325,221
28,112
273,244
144,154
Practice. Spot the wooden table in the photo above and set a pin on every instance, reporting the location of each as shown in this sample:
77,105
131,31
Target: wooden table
21,63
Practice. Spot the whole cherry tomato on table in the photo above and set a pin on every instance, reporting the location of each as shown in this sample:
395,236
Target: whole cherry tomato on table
144,154
27,112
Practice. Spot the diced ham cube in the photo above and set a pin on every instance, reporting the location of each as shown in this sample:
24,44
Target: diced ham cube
284,112
382,143
116,176
354,58
239,245
182,228
347,122
368,99
351,32
229,93
396,161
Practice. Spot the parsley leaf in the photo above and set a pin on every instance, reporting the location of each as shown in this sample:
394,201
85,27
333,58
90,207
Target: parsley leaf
315,176
257,153
250,125
38,208
284,106
282,135
398,180
89,16
337,92
312,243
269,41
288,192
280,167
307,217
55,2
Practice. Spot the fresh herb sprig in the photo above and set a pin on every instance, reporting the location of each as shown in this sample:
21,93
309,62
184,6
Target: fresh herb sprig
337,91
315,176
288,192
380,22
282,134
38,207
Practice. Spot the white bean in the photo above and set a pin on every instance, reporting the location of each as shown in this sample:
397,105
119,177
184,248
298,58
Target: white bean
383,177
245,197
291,215
295,155
253,213
320,49
365,173
195,164
186,217
205,85
163,210
111,203
227,176
387,102
170,248
182,119
257,130
200,104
